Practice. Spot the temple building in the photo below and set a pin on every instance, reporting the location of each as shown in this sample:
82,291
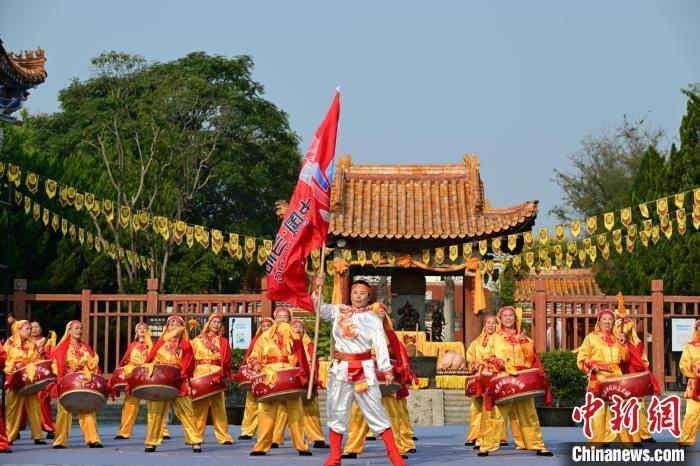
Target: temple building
394,211
18,74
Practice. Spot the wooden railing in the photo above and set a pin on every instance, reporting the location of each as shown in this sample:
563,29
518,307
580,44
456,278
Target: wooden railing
109,319
562,322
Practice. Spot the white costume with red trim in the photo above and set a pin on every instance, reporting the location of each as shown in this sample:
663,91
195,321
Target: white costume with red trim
356,331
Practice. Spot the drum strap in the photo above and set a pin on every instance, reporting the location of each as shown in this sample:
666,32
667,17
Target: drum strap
275,359
352,356
213,362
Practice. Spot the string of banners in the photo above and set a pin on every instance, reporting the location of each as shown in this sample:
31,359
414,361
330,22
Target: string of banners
619,233
54,222
253,249
578,239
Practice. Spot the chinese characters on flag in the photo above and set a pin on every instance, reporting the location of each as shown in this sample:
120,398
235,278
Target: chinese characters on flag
305,224
661,414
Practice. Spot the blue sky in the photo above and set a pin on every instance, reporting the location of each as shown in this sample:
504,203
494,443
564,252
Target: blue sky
519,83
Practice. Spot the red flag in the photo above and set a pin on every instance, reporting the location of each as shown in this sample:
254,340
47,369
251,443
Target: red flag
305,225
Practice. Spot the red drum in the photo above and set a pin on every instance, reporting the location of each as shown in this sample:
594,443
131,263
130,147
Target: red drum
286,386
163,384
385,387
476,385
526,383
119,381
43,375
243,377
637,385
204,385
77,394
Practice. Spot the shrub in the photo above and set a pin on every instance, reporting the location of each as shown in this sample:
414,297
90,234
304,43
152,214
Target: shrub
567,382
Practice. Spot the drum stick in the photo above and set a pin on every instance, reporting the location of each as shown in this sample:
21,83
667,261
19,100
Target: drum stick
319,303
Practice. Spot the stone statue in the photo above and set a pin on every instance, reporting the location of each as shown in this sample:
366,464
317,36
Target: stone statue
408,317
437,321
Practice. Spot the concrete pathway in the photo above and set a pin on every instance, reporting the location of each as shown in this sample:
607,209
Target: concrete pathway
436,446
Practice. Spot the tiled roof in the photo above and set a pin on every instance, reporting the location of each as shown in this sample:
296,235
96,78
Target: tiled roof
22,71
419,202
572,282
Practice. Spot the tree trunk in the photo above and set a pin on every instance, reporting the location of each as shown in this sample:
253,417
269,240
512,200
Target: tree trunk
449,330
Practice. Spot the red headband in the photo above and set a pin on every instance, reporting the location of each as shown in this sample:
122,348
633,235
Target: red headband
363,285
297,320
504,309
283,309
487,318
268,319
605,311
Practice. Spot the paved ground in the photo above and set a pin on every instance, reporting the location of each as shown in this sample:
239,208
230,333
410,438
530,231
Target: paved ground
436,445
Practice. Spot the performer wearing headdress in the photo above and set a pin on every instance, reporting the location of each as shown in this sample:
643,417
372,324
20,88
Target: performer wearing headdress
312,414
281,314
513,351
312,417
135,356
479,356
638,362
690,367
45,346
351,376
4,442
358,428
212,353
22,352
72,354
279,348
600,355
250,416
173,348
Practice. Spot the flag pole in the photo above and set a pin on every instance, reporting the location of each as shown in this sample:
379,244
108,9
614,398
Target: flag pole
319,303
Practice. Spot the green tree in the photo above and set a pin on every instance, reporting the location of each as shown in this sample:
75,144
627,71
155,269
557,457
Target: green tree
603,170
675,261
193,139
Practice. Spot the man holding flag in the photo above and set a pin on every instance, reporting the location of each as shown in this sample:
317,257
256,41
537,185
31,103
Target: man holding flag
304,230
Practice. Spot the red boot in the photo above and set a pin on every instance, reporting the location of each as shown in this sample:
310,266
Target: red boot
336,440
394,455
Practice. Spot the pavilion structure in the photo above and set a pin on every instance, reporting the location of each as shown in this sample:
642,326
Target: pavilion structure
18,74
401,210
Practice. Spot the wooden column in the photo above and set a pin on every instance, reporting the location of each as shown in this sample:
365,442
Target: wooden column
472,322
539,313
19,299
152,296
266,310
85,301
657,331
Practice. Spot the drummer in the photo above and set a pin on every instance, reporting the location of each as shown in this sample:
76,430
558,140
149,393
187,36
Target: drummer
173,348
512,350
638,362
600,355
212,354
312,414
281,314
4,443
250,416
690,367
279,348
358,428
478,354
72,354
402,395
135,355
45,346
22,352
